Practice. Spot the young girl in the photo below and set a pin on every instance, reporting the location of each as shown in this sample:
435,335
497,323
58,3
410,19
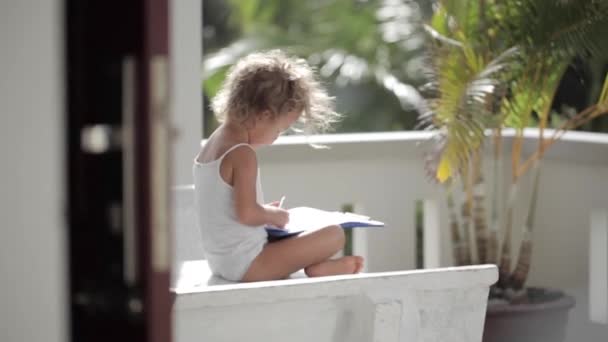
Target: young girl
264,94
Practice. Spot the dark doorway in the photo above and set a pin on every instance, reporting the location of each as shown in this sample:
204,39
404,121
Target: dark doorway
117,78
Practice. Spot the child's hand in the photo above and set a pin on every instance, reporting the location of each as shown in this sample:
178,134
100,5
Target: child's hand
278,217
277,203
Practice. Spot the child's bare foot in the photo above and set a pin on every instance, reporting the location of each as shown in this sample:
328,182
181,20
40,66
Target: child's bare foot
360,263
344,265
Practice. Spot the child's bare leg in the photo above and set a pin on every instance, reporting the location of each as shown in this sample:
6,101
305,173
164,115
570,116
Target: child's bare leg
279,259
344,265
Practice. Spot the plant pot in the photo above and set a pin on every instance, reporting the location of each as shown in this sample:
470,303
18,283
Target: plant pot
528,322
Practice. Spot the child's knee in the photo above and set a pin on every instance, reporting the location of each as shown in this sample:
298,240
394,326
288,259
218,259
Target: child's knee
336,235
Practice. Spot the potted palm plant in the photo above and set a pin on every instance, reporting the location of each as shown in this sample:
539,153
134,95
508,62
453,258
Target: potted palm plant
497,64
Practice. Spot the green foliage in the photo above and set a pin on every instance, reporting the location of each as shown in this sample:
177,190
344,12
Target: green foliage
371,56
371,46
499,63
603,99
212,84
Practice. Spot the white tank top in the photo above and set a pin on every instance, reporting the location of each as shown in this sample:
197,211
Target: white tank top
227,243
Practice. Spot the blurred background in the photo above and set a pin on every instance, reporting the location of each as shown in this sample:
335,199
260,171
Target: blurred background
369,53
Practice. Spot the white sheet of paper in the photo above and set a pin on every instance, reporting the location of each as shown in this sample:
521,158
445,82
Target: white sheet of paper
305,218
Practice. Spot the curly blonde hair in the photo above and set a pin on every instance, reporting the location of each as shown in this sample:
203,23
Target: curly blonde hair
275,82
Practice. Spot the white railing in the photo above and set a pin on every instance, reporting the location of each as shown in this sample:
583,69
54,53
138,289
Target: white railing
383,174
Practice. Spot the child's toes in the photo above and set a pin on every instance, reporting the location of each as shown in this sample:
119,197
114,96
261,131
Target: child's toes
359,264
351,261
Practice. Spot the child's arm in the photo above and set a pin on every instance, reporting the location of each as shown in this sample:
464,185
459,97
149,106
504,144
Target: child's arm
248,211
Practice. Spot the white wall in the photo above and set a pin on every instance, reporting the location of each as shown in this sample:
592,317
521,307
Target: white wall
186,87
384,173
186,92
186,98
32,229
573,187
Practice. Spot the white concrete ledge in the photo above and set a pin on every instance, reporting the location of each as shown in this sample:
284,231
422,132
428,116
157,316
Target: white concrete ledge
426,305
205,295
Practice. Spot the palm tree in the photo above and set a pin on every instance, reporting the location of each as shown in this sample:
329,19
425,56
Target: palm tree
497,64
459,247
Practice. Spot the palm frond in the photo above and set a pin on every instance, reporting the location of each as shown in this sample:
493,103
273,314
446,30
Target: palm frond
560,28
463,83
437,35
465,16
439,21
603,99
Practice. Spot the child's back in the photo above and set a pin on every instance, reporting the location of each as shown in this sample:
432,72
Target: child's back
229,245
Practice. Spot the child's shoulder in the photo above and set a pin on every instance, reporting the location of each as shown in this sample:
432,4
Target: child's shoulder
240,154
231,151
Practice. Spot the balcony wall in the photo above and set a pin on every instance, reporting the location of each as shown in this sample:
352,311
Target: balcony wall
383,175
